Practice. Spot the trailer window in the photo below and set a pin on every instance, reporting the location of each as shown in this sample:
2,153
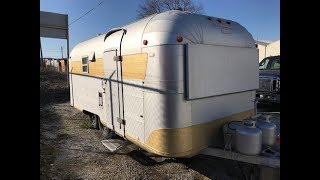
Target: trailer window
85,64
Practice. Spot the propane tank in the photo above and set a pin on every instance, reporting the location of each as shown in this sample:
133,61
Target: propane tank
248,138
268,129
230,129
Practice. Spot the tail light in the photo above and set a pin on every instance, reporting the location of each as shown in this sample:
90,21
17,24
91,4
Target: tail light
278,138
179,38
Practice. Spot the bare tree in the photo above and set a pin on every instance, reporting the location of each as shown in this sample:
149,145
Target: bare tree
149,7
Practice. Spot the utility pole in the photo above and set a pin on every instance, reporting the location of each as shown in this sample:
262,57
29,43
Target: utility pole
41,59
61,53
68,55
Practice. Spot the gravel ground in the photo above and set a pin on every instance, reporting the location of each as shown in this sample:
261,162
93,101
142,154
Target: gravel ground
69,149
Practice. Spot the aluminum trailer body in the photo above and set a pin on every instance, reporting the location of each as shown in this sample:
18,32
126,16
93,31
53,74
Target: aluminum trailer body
179,78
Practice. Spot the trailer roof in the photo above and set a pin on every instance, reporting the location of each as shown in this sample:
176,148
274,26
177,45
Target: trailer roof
164,28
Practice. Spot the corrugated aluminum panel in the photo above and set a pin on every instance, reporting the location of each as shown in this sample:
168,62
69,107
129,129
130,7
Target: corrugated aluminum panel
217,70
53,25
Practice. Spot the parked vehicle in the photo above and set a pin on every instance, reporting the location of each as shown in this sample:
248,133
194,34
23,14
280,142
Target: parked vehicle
167,82
269,80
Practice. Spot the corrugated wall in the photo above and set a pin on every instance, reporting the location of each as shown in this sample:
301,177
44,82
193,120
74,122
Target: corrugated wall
272,49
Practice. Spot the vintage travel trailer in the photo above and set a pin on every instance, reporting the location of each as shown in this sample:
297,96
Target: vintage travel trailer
167,82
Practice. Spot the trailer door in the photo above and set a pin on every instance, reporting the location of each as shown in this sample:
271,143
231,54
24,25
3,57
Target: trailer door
113,92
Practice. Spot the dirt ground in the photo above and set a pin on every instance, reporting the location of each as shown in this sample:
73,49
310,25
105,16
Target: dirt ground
69,149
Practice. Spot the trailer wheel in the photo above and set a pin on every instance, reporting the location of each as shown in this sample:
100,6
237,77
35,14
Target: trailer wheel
105,131
94,121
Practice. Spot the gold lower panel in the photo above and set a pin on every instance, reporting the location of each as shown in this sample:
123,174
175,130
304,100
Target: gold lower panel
188,141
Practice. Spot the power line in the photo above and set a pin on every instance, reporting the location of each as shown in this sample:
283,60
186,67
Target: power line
86,13
52,50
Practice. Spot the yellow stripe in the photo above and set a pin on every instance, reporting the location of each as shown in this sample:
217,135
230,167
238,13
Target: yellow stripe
188,141
95,68
134,66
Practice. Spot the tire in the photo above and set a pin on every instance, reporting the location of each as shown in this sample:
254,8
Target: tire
94,121
105,131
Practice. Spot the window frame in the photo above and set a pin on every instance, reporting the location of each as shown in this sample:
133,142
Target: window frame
87,64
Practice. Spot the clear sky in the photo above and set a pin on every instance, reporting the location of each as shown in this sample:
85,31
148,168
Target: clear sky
260,17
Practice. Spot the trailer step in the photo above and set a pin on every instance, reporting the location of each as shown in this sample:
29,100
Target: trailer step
114,144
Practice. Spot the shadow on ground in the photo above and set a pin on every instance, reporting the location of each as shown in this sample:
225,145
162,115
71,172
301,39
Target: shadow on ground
268,107
53,89
210,167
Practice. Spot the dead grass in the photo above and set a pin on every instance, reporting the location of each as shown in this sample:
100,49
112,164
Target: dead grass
53,87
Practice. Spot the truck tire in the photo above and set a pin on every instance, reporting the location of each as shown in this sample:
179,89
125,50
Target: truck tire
105,131
94,121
